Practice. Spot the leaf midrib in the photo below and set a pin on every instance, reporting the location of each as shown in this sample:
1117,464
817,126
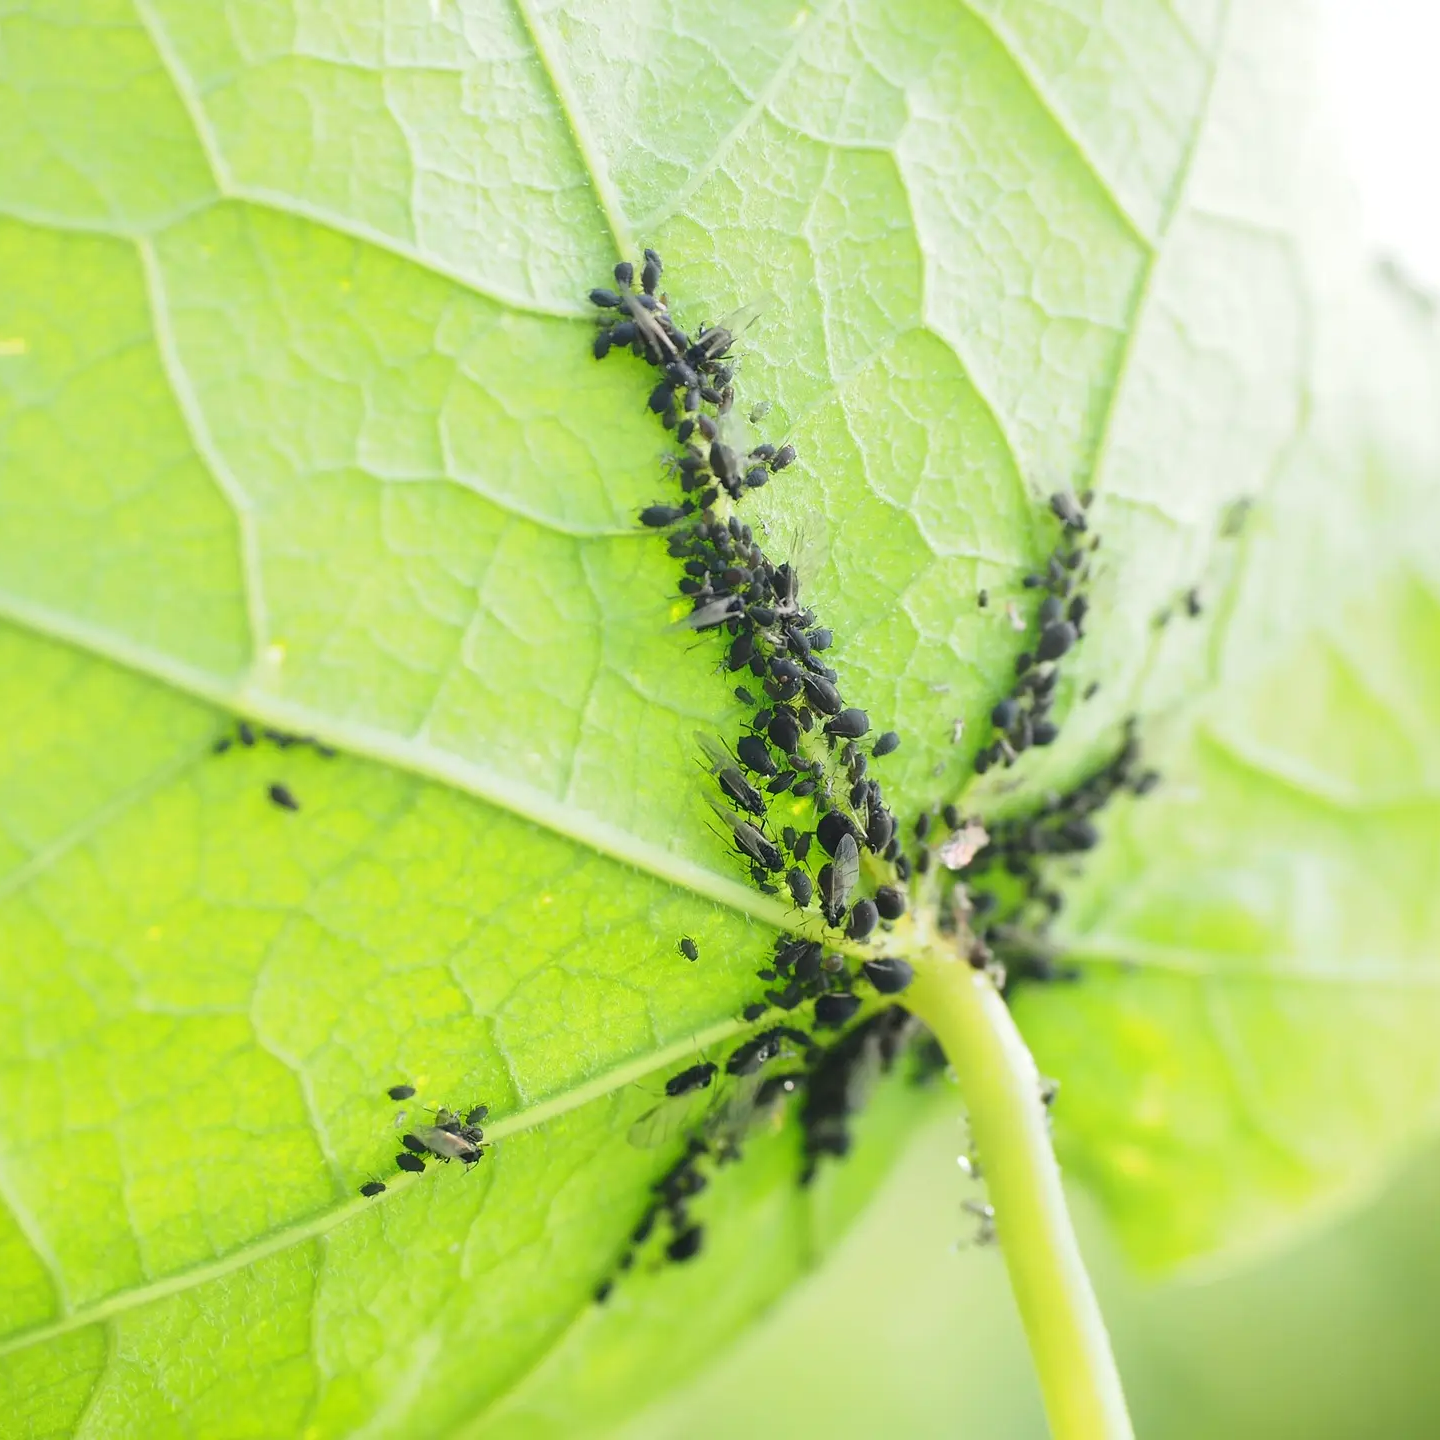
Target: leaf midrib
411,756
287,1236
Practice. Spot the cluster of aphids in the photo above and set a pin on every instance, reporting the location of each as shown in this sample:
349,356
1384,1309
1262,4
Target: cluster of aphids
802,739
452,1137
832,1083
1007,885
1022,718
248,737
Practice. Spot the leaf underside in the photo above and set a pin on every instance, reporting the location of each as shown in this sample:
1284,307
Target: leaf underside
297,420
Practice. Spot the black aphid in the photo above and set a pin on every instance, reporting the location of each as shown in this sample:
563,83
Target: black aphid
848,724
413,1163
1055,640
749,1057
801,890
833,828
281,796
755,755
697,1077
400,1092
650,274
754,1011
890,902
837,879
688,948
835,1010
660,516
889,975
686,1245
863,919
1193,605
885,744
821,693
372,1188
1067,510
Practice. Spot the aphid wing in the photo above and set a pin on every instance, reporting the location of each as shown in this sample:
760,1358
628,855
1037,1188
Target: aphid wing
718,756
864,1075
738,321
847,863
669,1120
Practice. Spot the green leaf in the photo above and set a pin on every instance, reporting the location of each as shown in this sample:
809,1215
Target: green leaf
297,419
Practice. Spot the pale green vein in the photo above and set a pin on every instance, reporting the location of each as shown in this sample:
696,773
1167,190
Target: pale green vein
1152,265
199,431
806,25
316,1226
96,821
1055,111
568,103
250,697
231,189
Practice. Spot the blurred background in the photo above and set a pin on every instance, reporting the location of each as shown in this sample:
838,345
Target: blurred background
910,1330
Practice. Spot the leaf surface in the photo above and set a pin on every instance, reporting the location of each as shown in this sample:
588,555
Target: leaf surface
297,419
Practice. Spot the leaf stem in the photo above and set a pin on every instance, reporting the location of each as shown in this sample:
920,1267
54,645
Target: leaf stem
1068,1340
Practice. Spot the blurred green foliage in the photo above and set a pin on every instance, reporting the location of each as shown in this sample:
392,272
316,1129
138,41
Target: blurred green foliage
904,1334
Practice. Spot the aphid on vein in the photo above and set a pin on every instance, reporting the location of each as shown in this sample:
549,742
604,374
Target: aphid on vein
1067,510
1055,640
889,975
837,879
688,948
848,725
371,1188
686,1245
413,1163
697,1077
443,1142
755,755
801,890
863,919
834,1010
730,778
890,902
749,841
281,796
658,517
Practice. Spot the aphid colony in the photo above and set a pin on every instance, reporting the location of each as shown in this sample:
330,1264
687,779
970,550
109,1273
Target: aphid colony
1022,718
802,740
453,1136
1005,889
248,736
831,1087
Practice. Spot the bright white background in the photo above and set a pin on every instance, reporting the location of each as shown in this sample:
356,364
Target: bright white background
1381,61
